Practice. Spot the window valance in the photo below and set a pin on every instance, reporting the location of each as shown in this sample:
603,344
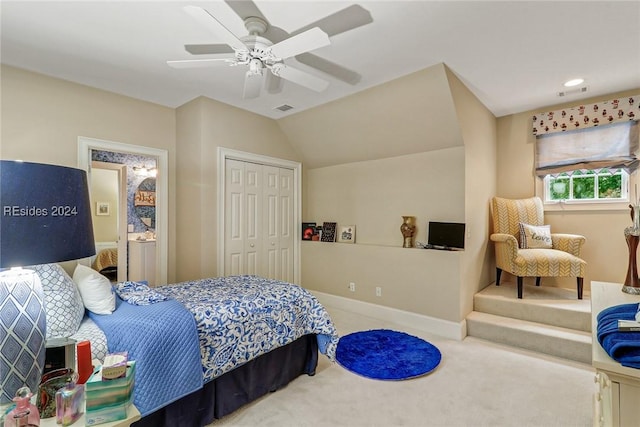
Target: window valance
604,147
587,115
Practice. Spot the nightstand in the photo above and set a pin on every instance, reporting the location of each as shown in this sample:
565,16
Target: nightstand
618,387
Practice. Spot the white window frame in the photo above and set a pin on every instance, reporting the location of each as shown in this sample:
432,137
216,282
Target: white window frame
628,197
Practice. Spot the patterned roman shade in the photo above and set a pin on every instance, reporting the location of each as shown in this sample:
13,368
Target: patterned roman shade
586,116
610,147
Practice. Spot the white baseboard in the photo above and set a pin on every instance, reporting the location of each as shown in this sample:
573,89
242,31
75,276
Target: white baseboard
443,328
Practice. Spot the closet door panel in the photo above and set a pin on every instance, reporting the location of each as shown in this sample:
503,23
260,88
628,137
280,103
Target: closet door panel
286,224
271,265
234,267
259,209
234,212
252,218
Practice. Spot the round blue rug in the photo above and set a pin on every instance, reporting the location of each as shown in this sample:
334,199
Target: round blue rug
383,354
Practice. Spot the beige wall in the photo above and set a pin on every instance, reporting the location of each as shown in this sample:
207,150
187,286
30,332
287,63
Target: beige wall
372,188
605,251
203,125
104,188
415,280
478,127
412,114
42,118
374,195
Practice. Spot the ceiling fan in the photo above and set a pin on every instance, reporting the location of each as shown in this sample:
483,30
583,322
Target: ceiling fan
259,54
339,22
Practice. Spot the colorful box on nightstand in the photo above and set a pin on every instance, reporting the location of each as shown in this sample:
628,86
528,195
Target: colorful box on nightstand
107,400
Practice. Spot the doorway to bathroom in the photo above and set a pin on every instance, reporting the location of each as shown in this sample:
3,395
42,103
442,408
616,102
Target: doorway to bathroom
140,212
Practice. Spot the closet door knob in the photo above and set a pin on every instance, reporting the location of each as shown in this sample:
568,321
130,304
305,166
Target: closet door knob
252,245
273,244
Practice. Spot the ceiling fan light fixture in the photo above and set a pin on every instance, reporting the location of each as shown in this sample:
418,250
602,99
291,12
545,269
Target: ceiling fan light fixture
255,67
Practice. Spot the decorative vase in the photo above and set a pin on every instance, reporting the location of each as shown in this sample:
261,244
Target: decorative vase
407,229
632,236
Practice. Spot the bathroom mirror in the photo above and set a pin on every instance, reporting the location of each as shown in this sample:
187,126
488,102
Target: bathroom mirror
145,202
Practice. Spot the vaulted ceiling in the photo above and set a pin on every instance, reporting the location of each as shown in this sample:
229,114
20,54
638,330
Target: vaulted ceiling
514,56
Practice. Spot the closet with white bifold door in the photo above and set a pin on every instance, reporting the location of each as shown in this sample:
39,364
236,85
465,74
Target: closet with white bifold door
259,220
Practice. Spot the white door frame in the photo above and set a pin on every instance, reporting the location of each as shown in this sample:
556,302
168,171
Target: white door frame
85,145
122,245
227,153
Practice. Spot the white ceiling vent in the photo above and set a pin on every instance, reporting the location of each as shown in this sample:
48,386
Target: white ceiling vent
573,91
284,107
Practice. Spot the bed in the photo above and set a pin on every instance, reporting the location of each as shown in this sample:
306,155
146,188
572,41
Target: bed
106,261
211,346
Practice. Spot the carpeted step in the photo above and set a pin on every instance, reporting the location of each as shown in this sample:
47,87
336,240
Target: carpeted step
553,340
543,304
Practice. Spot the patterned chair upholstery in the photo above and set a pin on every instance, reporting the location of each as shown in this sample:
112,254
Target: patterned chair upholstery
563,260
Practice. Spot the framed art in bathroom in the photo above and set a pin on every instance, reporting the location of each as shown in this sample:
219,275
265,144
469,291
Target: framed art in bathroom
103,208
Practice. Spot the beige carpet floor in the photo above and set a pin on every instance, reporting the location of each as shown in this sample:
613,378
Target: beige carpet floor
478,383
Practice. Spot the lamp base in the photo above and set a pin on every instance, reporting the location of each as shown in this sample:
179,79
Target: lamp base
631,290
22,331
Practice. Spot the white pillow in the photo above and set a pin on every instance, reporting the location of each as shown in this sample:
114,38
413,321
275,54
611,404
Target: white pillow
535,236
62,302
96,291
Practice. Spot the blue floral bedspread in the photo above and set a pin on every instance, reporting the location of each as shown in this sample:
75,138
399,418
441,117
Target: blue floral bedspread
242,317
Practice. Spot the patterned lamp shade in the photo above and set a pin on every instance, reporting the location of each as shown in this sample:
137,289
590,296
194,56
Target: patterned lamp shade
45,217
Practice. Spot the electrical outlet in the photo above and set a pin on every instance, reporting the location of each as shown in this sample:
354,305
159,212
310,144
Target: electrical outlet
378,291
352,286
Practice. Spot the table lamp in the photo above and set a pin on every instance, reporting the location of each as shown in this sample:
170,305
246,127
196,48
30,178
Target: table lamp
45,217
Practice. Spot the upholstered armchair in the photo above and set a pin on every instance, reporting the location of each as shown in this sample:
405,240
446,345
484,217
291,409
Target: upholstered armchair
526,248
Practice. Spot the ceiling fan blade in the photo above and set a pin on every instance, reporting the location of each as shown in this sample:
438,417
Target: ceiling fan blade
300,77
331,68
273,83
199,63
207,49
304,42
343,20
252,85
207,20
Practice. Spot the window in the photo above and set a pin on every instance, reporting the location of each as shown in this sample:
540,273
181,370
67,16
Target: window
588,167
587,186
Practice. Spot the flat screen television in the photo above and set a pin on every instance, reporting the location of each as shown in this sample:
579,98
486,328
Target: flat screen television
446,234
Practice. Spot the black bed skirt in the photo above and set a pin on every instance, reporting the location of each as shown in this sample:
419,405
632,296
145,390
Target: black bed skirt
234,389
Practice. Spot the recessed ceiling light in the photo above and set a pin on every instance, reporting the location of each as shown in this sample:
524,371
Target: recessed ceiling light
573,82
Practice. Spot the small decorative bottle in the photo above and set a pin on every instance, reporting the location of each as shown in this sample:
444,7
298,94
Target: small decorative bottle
25,413
69,401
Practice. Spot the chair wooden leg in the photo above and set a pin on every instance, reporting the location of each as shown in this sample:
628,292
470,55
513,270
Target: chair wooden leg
519,287
537,281
580,285
498,274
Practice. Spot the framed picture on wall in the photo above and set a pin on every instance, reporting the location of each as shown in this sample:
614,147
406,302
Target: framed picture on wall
328,232
346,234
308,230
102,208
